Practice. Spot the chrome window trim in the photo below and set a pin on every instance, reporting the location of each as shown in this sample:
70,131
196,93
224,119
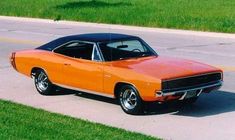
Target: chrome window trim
93,54
100,52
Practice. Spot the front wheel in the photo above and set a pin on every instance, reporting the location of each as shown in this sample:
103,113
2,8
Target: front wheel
42,83
130,100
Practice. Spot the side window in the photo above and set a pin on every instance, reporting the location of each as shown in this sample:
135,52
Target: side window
76,50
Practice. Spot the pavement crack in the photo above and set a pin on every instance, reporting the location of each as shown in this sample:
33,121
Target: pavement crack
201,45
11,30
225,43
63,28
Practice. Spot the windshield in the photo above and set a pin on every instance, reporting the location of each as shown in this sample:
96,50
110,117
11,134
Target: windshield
125,50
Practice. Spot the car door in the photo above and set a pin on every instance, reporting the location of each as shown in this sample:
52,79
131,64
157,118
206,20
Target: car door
82,69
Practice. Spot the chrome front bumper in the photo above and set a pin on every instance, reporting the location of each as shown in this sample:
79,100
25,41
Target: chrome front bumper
184,92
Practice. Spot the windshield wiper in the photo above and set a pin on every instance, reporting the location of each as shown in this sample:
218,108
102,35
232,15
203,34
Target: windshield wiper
125,58
135,57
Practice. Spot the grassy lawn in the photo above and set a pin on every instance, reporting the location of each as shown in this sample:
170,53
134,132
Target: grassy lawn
205,15
22,122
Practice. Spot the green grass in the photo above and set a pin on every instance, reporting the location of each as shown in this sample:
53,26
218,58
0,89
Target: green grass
23,122
205,15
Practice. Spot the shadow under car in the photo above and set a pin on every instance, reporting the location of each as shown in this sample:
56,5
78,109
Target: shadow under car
208,104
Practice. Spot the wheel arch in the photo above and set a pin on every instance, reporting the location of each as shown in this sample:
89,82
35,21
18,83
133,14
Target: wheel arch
118,86
34,69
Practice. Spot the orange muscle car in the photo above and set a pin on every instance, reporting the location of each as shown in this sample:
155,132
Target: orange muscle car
115,65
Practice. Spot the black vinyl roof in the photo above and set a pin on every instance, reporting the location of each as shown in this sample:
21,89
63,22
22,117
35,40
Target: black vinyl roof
93,37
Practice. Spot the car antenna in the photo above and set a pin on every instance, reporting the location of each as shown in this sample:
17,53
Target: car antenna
111,48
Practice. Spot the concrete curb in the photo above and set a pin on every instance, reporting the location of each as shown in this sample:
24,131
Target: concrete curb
122,27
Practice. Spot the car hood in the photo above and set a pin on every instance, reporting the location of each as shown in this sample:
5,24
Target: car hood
162,67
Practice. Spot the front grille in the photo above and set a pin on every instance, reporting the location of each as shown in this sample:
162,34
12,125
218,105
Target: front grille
190,82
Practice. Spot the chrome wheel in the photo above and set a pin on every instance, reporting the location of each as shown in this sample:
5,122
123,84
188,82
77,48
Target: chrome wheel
42,81
129,99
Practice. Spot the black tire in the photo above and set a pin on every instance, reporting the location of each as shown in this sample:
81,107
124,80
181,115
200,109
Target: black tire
190,100
42,83
130,101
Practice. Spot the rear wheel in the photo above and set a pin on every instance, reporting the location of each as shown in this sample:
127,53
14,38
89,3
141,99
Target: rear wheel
130,100
42,83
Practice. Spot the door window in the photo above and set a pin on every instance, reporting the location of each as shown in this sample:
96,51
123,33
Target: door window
79,50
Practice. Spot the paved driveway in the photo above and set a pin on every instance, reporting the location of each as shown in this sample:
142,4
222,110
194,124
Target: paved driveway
212,117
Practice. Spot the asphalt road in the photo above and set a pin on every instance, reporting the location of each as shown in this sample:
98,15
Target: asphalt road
212,117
